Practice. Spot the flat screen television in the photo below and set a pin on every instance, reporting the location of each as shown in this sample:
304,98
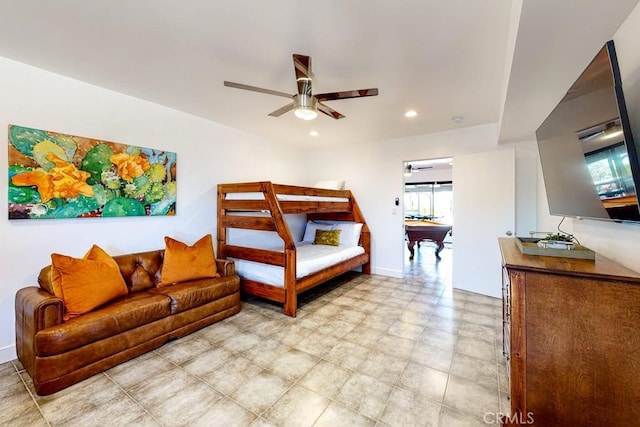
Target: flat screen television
589,158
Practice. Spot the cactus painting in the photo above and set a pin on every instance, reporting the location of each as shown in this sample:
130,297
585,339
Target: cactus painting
53,175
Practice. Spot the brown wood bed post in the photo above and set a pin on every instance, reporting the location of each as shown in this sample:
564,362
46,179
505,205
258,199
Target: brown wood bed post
365,234
222,231
290,291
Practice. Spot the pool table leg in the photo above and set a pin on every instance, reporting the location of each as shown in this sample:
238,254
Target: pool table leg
440,246
410,245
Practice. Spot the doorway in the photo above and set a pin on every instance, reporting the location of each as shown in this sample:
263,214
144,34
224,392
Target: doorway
428,210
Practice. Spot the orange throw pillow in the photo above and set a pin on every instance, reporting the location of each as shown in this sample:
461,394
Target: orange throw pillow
86,283
183,263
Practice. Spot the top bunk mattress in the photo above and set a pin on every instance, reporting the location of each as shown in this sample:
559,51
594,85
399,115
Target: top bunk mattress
285,197
310,259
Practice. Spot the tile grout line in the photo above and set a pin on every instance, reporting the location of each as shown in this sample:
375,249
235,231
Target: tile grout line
414,291
31,395
132,398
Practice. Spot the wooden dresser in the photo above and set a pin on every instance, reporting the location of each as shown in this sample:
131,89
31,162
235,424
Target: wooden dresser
571,340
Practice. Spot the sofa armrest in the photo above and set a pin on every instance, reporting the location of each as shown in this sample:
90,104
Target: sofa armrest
226,267
36,309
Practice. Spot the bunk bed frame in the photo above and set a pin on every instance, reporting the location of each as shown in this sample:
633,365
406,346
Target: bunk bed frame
318,209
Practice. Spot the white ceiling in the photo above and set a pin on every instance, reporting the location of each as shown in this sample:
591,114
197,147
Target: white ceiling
441,58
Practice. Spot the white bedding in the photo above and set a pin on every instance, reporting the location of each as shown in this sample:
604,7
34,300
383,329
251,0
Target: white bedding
285,197
310,259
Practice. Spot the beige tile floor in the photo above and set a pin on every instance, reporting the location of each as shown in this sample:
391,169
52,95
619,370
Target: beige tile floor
363,351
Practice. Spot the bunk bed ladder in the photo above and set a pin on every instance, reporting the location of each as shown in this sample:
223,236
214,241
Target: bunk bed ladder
290,293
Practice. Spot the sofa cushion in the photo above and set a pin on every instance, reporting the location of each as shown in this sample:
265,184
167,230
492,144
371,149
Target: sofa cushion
141,270
187,295
183,263
122,314
74,280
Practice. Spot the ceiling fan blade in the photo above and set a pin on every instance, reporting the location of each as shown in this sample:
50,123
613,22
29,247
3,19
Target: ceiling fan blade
329,111
256,89
302,65
347,94
280,111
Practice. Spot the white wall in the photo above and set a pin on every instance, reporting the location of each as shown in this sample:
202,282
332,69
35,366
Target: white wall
208,154
526,188
374,172
620,242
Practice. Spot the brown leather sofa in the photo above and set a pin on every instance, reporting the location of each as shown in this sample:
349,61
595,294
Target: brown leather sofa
58,353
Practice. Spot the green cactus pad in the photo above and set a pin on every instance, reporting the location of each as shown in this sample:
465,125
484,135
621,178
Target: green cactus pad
67,144
122,206
42,149
24,139
156,172
23,195
96,161
74,208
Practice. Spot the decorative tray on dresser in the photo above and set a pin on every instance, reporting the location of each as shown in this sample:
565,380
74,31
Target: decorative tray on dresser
571,340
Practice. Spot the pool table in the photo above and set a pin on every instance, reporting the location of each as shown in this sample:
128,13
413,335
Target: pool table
418,230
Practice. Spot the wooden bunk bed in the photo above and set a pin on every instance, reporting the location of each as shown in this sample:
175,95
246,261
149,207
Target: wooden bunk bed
262,206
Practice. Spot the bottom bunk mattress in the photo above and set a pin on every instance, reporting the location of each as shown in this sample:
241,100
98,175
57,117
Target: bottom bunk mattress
310,259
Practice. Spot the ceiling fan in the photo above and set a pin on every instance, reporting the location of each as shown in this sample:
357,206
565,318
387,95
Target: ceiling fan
409,169
607,130
305,104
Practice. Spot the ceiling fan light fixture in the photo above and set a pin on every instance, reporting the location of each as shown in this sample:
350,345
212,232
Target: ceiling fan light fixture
306,107
613,134
305,113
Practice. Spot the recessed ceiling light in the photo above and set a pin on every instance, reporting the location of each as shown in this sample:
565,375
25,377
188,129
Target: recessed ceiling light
314,133
457,119
411,113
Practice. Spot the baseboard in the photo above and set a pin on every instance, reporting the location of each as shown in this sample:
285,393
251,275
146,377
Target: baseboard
387,272
479,291
8,353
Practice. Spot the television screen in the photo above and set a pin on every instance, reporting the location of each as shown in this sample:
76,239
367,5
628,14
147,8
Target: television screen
589,159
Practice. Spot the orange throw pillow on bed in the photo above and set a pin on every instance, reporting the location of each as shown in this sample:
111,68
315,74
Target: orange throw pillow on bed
86,283
183,263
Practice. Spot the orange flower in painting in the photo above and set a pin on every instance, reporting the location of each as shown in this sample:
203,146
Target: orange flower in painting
62,181
129,166
39,178
68,182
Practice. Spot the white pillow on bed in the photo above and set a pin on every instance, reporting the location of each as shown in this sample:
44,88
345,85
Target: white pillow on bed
310,231
349,235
